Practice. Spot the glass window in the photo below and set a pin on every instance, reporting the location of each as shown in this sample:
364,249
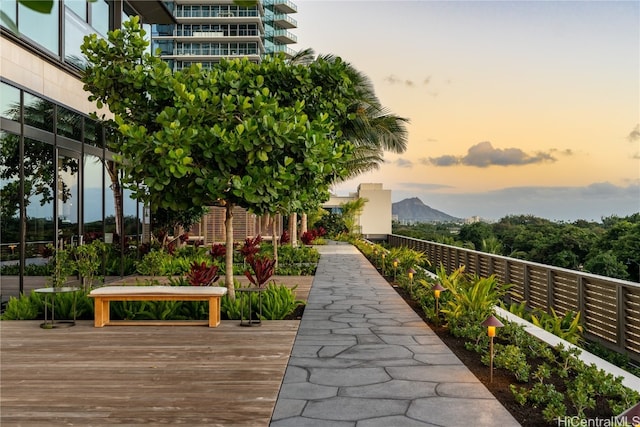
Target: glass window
111,200
69,124
93,202
42,28
75,30
8,7
92,133
38,112
9,102
68,172
132,224
100,13
10,196
39,175
79,7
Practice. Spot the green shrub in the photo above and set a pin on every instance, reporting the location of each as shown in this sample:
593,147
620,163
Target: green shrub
278,302
25,307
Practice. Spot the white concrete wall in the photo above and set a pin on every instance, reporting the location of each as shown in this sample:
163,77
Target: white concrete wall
42,77
376,215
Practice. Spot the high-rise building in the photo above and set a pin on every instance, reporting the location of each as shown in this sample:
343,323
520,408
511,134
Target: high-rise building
58,183
208,30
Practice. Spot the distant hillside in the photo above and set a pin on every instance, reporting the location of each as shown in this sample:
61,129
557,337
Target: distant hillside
413,210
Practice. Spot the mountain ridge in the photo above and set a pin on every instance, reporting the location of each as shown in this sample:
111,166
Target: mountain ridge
414,210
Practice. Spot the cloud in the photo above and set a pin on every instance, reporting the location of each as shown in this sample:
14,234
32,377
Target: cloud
634,135
392,79
424,186
483,155
403,163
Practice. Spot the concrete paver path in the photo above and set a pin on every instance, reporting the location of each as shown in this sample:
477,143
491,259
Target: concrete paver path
363,358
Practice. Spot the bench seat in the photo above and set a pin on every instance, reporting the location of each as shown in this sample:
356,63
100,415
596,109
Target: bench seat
104,295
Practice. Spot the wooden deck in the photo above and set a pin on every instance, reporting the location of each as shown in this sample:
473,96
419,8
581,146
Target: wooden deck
192,376
144,375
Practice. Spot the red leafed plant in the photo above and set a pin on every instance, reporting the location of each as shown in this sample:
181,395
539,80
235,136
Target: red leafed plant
202,275
263,268
285,238
218,251
308,237
251,246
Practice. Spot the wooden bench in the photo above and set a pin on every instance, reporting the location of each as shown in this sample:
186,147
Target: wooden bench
104,295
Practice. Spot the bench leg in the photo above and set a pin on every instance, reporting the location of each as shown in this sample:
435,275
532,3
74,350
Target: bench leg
214,311
101,310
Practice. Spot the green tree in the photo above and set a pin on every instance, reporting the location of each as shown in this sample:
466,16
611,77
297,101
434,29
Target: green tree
475,233
371,127
222,136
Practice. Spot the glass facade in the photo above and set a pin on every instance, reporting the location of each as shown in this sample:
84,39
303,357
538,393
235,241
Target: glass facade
41,28
59,184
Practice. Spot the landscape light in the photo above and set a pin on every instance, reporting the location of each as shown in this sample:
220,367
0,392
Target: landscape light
437,289
491,323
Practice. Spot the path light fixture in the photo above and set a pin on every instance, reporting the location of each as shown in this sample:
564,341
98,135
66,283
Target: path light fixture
383,257
395,268
437,290
491,323
411,272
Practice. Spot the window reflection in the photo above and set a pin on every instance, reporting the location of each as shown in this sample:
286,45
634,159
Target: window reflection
92,198
8,7
69,124
100,13
92,133
111,200
9,196
78,6
132,222
68,200
39,174
42,28
74,31
38,112
9,102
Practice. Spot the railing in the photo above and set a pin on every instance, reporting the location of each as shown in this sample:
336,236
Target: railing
610,308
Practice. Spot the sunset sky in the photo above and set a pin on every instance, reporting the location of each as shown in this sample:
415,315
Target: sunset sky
516,107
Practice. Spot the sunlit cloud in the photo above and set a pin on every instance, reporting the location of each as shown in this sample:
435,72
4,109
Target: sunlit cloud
393,80
634,135
403,163
483,155
423,186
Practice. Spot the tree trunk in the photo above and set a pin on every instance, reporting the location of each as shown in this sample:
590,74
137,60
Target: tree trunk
228,260
275,240
303,223
293,229
112,169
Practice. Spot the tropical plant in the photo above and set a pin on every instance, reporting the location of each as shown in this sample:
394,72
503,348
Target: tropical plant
88,260
202,274
474,301
278,302
263,268
567,327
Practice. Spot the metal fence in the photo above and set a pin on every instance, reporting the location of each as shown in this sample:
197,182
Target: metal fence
610,308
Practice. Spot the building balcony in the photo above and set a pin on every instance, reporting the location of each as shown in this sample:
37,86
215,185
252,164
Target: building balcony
282,21
282,6
211,36
282,37
288,52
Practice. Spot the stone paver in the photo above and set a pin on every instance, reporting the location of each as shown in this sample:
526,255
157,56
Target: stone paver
363,358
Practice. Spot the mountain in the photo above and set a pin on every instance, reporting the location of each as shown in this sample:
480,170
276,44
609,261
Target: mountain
413,210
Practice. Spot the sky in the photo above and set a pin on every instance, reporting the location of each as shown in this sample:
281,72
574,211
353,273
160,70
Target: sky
515,107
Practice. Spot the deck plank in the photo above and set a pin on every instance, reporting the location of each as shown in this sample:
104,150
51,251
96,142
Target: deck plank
227,376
